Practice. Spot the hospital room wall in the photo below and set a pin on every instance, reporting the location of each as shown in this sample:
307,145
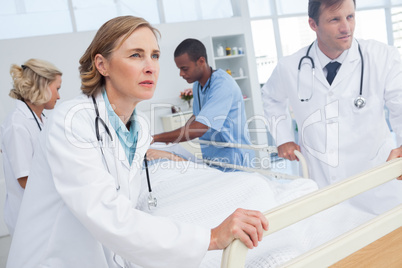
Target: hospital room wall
64,50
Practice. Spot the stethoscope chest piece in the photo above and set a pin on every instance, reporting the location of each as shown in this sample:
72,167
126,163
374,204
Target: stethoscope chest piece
360,102
152,202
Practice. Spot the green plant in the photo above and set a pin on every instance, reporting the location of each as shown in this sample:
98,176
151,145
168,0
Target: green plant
186,95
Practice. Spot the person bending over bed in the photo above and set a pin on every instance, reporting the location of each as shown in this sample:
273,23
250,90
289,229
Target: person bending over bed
218,109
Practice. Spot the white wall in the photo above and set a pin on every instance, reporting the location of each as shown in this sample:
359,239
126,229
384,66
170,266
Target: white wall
64,51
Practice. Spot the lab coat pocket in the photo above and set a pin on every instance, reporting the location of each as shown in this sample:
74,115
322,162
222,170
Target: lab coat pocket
366,116
383,151
367,128
372,105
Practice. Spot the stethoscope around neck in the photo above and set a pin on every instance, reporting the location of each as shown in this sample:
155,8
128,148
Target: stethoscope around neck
359,101
208,85
34,116
152,201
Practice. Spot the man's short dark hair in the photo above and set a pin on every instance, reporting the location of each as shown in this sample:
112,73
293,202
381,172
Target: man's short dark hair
314,6
193,47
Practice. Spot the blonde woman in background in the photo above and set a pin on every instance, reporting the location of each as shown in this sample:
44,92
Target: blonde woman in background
35,88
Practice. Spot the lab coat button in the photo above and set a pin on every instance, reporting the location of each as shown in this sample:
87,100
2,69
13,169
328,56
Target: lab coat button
330,93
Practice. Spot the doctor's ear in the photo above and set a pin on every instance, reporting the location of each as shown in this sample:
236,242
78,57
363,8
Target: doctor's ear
101,64
313,24
201,60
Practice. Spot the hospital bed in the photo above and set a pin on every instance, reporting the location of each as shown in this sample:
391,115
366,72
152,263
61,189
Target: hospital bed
377,241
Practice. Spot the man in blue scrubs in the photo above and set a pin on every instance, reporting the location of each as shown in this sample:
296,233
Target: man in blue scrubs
218,108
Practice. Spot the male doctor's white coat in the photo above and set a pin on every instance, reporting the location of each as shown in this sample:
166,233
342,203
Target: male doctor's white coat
73,216
338,139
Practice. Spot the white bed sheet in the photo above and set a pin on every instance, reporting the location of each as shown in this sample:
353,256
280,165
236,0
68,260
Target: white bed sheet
195,193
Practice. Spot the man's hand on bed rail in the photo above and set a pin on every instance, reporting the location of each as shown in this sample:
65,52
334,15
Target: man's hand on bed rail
153,154
396,153
246,225
287,149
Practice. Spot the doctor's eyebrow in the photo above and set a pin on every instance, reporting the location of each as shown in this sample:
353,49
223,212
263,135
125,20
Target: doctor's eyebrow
336,17
140,50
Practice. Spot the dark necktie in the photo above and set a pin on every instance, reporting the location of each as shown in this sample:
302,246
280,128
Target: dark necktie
331,68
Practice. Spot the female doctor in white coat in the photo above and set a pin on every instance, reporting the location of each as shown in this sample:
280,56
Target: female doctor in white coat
79,207
338,138
35,88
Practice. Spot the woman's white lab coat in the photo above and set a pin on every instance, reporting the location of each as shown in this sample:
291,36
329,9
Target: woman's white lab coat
73,216
19,134
338,139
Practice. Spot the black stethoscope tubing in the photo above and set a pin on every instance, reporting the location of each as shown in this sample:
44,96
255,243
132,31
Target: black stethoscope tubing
362,72
36,120
206,88
146,170
307,57
359,101
98,119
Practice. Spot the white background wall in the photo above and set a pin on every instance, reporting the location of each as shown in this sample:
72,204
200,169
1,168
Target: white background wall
64,51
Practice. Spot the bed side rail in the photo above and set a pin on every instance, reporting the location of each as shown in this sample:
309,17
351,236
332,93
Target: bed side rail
265,172
343,246
262,148
258,147
235,254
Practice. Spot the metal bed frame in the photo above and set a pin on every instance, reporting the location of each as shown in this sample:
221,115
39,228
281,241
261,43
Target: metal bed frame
262,148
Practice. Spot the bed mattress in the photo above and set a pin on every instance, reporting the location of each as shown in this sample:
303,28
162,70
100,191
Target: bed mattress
196,193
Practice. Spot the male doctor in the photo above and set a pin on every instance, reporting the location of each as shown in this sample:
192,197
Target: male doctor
340,110
219,114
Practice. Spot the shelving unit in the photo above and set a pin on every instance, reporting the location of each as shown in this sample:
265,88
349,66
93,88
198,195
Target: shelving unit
234,62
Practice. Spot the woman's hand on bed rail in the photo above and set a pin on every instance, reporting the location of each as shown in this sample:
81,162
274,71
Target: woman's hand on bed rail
246,225
396,153
287,149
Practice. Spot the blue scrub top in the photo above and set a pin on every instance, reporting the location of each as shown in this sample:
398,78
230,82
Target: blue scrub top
222,109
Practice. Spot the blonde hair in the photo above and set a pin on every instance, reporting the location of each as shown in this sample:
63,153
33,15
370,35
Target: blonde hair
104,43
31,81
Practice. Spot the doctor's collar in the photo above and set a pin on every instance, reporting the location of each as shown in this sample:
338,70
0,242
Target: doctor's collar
324,59
208,83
